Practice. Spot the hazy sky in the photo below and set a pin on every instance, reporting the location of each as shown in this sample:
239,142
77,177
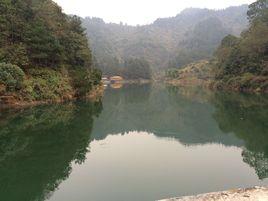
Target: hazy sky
139,11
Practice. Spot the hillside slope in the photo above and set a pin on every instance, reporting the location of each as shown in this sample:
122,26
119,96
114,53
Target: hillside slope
239,63
44,53
163,43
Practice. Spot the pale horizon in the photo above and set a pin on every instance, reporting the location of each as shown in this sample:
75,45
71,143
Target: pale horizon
139,12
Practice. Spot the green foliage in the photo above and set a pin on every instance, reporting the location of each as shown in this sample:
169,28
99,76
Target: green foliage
96,76
38,37
242,62
44,48
37,33
172,73
137,69
81,81
257,9
76,45
15,54
11,76
46,84
198,71
200,43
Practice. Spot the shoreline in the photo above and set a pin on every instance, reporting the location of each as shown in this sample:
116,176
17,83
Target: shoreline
94,95
134,81
213,86
249,194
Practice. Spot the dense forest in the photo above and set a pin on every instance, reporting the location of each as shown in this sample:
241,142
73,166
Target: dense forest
239,63
242,62
192,35
44,53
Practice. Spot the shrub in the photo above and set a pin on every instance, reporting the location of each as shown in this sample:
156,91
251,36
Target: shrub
80,81
96,76
11,76
46,84
84,79
172,73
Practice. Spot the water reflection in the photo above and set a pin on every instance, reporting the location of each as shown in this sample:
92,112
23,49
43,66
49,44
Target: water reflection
38,145
192,116
166,113
246,116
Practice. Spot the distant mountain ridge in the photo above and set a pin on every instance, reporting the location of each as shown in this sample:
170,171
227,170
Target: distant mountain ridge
168,42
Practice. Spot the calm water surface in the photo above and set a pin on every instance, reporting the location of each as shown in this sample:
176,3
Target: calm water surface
141,143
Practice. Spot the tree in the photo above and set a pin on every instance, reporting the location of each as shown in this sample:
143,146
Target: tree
45,49
36,34
242,62
257,9
137,69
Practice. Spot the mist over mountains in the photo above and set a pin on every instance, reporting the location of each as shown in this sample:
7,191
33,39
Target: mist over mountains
192,35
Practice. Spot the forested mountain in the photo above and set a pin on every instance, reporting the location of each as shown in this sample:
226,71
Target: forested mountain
239,63
44,53
168,42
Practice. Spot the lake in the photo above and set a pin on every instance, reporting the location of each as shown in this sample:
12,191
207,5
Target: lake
141,143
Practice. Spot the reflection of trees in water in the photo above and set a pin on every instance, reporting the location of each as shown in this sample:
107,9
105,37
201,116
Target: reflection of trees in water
246,117
192,116
38,145
165,113
194,94
257,160
131,93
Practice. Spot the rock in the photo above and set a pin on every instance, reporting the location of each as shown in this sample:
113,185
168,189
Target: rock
249,194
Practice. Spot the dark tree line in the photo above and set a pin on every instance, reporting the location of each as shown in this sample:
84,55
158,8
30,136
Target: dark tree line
137,69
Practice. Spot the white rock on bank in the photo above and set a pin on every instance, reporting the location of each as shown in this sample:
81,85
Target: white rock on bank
249,194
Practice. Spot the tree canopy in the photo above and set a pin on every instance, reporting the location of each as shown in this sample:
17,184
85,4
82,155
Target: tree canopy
249,53
36,33
137,68
257,9
49,46
243,61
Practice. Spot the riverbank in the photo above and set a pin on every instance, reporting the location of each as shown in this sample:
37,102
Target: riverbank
136,81
195,74
202,74
21,88
130,81
232,86
121,83
7,102
249,194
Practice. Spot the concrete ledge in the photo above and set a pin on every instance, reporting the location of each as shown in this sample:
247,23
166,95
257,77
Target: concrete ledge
249,194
